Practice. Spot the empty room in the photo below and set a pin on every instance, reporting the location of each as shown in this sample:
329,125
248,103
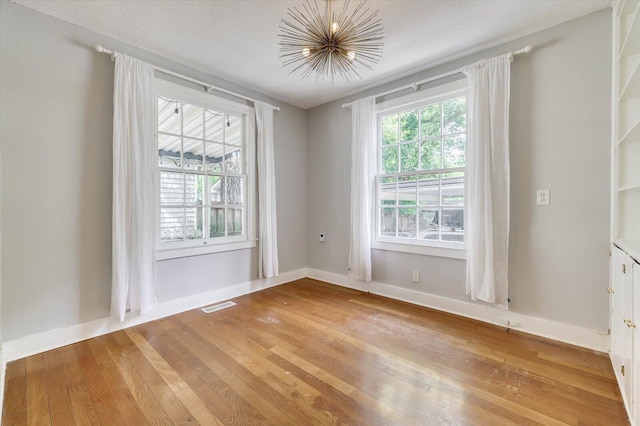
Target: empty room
320,212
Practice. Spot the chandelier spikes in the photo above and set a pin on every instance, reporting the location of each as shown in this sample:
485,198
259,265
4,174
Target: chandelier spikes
330,44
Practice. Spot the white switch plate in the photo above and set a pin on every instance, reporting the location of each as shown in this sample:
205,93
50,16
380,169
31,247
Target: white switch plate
415,275
542,197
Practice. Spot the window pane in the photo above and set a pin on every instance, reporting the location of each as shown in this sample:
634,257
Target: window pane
407,190
407,222
428,224
388,221
234,190
429,190
430,155
192,121
234,221
200,184
216,224
233,130
388,191
409,157
172,223
454,115
195,221
409,125
168,120
214,126
169,148
453,151
171,188
191,188
453,189
192,156
430,121
216,189
214,154
452,225
233,160
390,129
389,159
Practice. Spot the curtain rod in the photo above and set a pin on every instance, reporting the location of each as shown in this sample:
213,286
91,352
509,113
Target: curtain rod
208,87
415,84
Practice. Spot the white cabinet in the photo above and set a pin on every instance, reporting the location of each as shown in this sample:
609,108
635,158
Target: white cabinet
625,203
626,124
625,320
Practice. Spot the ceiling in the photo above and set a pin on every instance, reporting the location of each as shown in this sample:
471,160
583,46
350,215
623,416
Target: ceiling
237,39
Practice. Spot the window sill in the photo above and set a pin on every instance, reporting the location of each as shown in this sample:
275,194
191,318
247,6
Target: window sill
444,250
174,253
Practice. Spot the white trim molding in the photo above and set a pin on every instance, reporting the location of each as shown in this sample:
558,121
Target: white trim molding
51,339
567,333
47,340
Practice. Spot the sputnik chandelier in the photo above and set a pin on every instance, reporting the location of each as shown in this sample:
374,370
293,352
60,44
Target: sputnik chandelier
330,44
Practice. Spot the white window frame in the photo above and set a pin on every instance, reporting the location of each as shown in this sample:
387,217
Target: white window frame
423,247
176,249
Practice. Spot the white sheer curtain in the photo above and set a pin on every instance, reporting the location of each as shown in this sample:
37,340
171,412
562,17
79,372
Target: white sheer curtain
268,241
363,168
487,180
134,188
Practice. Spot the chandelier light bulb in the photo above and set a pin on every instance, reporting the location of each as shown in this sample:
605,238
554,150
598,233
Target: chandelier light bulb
335,39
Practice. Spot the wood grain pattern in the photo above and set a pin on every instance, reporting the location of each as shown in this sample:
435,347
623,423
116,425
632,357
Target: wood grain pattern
310,353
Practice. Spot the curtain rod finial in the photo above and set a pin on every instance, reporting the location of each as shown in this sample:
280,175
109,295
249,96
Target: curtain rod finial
527,48
98,48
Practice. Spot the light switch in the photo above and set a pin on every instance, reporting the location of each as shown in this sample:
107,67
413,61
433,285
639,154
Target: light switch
542,197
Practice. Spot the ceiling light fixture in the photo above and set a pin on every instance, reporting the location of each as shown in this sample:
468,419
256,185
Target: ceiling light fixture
331,44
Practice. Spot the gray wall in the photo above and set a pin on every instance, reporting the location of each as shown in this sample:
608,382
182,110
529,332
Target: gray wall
55,176
560,133
55,171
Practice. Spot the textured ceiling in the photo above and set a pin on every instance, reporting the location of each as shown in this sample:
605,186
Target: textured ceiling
237,39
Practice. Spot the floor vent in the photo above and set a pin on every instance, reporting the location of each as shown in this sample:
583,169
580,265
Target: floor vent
217,307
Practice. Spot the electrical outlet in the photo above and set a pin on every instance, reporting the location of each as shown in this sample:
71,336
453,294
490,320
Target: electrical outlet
322,237
542,197
415,275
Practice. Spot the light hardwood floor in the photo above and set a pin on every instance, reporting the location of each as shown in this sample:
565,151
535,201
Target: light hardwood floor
308,353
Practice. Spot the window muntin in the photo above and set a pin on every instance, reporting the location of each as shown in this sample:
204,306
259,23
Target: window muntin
205,181
421,170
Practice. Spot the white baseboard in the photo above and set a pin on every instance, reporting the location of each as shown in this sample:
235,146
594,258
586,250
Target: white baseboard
41,342
51,339
579,336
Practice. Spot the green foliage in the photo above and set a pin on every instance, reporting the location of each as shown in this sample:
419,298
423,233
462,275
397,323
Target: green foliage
408,125
390,129
390,159
430,153
453,115
409,157
430,121
431,125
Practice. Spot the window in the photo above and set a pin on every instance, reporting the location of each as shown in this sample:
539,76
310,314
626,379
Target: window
205,173
421,170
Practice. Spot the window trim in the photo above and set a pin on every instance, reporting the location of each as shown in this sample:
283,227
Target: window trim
428,248
178,249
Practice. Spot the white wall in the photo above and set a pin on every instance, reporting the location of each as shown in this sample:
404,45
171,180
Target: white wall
56,114
560,127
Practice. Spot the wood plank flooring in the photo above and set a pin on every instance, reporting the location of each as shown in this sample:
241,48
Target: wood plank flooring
309,353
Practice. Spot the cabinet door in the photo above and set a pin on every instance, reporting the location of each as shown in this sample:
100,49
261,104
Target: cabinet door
628,337
633,275
617,325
